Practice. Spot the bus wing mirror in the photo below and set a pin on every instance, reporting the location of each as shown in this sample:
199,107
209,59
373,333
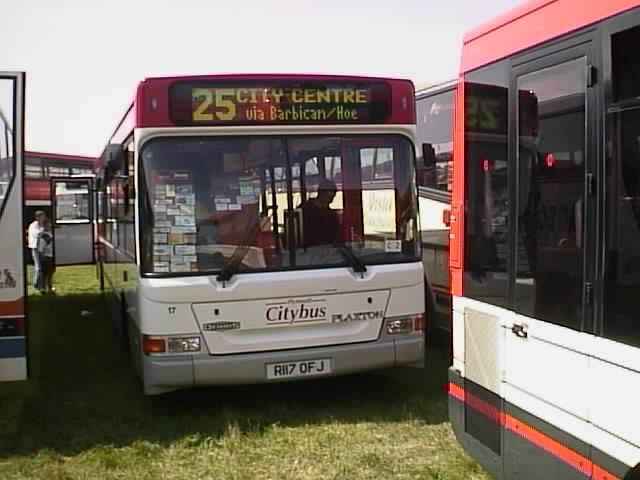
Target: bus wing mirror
114,160
428,155
446,217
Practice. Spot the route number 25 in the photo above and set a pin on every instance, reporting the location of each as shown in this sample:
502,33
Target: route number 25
221,99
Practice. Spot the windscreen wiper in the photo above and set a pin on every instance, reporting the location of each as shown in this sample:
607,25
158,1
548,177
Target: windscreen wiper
230,268
357,264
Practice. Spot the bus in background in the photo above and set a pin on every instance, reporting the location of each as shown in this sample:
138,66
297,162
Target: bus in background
40,167
434,134
61,186
242,243
13,331
545,242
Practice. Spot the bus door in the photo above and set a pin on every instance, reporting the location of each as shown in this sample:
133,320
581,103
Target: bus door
552,287
73,220
13,334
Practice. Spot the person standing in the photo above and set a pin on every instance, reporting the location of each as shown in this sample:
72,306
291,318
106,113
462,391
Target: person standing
33,233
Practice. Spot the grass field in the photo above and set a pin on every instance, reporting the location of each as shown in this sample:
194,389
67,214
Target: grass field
83,416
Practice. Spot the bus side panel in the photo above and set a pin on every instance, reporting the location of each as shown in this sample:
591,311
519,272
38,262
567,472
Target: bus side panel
111,286
458,413
514,434
13,339
13,336
435,259
131,310
524,452
616,374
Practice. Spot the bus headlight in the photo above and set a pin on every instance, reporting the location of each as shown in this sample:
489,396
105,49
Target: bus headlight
183,344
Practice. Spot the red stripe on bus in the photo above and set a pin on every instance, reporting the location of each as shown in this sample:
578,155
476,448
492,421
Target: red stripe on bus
456,391
549,445
14,307
485,408
476,403
600,473
576,460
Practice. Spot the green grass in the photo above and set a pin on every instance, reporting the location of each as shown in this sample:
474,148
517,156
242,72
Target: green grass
83,415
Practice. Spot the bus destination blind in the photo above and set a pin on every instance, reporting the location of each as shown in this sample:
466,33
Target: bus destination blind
215,103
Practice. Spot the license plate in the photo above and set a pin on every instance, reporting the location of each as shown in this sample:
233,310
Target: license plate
304,368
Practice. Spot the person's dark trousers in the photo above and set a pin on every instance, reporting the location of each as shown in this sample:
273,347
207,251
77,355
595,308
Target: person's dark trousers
38,273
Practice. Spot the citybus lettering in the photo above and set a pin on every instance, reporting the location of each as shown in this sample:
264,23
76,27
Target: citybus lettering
284,313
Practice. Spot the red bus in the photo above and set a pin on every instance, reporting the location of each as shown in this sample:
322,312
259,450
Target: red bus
545,243
40,167
69,205
263,228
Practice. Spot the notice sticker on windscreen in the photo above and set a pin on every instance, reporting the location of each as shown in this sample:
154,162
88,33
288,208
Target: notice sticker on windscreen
393,246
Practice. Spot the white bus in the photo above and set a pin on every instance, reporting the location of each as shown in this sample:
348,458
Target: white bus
434,134
13,336
263,228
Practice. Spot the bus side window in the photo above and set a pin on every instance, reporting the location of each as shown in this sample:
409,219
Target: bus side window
129,193
622,219
435,127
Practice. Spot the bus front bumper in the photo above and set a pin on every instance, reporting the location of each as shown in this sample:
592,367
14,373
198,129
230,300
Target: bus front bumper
166,373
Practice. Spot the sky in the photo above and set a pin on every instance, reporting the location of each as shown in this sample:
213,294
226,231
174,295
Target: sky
83,58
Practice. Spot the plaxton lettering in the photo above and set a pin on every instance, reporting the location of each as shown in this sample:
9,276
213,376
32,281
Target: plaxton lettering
356,316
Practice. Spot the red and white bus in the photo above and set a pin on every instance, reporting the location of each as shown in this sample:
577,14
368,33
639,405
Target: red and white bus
263,228
61,186
545,242
13,331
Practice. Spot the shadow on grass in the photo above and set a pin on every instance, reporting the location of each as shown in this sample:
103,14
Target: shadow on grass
83,393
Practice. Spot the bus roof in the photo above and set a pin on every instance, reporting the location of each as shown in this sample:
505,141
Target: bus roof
532,23
270,76
59,156
431,90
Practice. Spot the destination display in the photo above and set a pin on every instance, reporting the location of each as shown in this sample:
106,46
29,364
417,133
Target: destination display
486,110
225,103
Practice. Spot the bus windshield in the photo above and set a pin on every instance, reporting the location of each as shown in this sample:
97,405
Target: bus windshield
260,203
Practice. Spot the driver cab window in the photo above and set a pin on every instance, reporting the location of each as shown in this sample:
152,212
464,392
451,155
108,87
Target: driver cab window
263,203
